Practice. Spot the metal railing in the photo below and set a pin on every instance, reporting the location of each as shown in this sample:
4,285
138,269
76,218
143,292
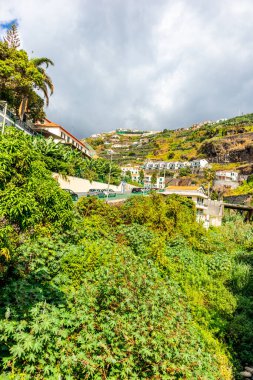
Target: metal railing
15,122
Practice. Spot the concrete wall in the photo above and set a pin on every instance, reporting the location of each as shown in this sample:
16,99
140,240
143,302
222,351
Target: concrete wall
214,212
80,185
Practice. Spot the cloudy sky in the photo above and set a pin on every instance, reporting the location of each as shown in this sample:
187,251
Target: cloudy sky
143,64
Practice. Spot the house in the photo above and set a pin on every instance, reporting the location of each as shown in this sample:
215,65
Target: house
225,179
131,169
199,164
149,165
195,193
161,165
227,175
160,181
59,134
115,137
175,165
209,212
134,170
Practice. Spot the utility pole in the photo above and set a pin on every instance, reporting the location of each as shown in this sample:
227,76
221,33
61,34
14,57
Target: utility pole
109,178
4,117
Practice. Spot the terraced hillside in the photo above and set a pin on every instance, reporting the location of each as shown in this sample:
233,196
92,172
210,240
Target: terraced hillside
227,142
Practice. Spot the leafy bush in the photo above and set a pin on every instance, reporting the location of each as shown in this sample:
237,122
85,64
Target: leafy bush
123,320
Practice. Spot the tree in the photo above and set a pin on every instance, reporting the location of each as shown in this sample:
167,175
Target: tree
141,176
28,193
183,172
20,77
153,178
47,81
209,175
12,37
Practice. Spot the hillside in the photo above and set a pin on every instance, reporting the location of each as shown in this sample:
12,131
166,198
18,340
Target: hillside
93,290
222,142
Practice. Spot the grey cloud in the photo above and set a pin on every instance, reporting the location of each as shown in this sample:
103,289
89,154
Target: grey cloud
140,64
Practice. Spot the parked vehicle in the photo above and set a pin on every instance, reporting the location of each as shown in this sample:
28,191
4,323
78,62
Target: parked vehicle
73,195
137,190
110,193
94,192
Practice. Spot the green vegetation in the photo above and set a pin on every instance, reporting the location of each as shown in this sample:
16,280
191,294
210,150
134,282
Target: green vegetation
245,188
97,291
198,141
93,291
21,78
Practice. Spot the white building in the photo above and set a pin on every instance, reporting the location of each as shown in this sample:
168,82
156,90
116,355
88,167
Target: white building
161,165
199,164
160,182
226,175
131,169
59,134
209,212
155,165
134,170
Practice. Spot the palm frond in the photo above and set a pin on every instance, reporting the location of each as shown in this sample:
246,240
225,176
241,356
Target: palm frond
43,60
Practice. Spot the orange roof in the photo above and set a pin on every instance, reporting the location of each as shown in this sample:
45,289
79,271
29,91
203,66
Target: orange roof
182,187
48,123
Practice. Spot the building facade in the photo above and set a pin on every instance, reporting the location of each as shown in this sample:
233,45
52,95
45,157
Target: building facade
175,165
209,212
59,134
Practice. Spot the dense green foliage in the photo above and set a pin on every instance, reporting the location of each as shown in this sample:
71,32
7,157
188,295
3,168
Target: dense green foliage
64,160
20,77
100,291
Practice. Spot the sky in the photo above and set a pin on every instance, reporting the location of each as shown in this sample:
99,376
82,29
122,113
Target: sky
140,64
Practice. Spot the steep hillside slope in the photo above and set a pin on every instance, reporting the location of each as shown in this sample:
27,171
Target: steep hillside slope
225,141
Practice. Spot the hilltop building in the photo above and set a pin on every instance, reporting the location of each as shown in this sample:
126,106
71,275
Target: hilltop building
135,176
199,164
46,128
227,175
175,165
225,179
59,134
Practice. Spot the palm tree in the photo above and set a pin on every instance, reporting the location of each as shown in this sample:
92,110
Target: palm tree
47,83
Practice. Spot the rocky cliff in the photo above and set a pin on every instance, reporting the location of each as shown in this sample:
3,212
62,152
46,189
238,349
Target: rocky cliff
236,148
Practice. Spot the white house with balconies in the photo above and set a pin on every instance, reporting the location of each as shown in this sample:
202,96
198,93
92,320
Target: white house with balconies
227,175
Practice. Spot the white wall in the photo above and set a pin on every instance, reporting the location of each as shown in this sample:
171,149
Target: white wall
80,185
